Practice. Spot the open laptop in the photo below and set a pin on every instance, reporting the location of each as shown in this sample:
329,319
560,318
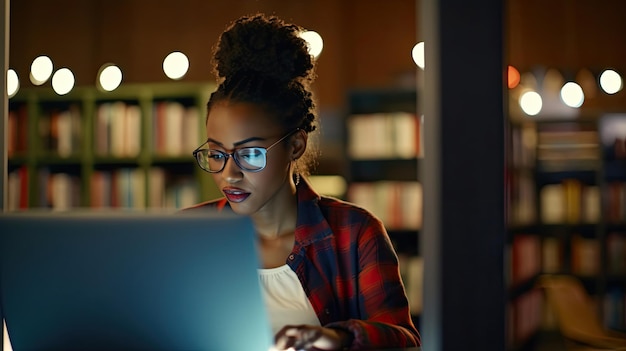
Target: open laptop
129,281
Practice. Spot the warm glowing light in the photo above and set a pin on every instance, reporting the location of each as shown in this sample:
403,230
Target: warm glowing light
610,81
41,70
175,65
572,94
13,83
531,103
314,42
418,54
63,81
110,77
513,78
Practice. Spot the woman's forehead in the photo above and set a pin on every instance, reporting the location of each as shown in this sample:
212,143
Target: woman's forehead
230,124
238,115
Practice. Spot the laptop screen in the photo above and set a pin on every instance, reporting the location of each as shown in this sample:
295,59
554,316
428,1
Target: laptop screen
93,281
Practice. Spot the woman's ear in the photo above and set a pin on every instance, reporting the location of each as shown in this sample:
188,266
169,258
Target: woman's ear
298,144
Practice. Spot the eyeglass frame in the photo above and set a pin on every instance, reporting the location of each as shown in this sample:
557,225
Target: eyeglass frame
232,154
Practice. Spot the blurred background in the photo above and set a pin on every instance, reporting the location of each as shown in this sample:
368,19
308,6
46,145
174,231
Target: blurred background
76,141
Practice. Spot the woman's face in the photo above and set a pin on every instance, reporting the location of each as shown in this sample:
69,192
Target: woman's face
234,126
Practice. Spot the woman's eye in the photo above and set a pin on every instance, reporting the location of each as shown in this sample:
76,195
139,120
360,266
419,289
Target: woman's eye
249,154
215,155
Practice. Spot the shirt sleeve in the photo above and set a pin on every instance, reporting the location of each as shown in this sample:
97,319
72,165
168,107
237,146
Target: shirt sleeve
384,305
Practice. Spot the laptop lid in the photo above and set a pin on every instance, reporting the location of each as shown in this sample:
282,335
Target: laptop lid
131,281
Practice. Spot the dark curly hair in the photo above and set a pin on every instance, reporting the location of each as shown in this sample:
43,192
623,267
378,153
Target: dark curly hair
263,60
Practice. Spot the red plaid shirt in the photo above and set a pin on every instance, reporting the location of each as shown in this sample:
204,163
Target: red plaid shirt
349,270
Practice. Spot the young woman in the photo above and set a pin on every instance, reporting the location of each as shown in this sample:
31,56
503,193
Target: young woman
330,275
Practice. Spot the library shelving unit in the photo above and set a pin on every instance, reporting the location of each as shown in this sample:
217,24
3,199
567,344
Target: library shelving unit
383,150
523,239
566,216
612,250
129,148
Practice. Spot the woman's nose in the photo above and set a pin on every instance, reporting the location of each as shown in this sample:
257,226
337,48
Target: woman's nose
232,173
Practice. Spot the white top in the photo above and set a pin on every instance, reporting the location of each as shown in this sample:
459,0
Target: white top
285,299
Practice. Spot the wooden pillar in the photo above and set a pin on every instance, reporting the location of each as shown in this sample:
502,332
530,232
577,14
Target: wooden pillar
463,175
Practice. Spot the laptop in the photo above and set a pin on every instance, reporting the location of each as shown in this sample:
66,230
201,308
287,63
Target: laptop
131,281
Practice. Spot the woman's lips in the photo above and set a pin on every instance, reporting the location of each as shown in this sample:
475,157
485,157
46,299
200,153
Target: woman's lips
235,195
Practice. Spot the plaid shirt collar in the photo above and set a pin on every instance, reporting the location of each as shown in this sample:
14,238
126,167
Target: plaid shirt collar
311,225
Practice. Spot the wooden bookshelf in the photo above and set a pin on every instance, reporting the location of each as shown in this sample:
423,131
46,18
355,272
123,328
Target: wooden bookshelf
130,148
566,190
383,147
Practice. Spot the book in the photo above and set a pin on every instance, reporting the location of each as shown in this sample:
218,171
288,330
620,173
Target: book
552,204
585,254
398,204
384,135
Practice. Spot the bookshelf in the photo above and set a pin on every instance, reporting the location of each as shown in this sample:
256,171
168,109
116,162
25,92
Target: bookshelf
383,147
130,148
565,193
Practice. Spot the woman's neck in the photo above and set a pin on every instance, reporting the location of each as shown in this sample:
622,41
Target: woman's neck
277,218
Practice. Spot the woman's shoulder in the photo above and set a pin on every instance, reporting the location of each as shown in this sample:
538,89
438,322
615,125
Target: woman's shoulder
341,208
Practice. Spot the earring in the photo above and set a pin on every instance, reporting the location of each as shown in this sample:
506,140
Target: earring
296,173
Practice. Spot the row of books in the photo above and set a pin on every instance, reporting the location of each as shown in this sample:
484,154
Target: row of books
133,188
570,201
530,254
568,147
176,128
584,255
119,188
398,204
57,191
117,129
523,145
60,131
384,135
17,131
615,195
524,258
521,197
18,190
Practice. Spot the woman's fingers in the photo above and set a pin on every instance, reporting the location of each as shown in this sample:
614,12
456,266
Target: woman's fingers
298,337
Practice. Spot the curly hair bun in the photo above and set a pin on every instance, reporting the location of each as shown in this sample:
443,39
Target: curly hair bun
263,45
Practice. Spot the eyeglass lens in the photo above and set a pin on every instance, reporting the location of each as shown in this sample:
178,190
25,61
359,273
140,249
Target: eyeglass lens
249,158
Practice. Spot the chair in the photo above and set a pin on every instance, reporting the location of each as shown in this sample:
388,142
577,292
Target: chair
577,319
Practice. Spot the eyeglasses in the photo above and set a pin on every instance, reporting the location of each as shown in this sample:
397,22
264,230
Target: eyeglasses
249,159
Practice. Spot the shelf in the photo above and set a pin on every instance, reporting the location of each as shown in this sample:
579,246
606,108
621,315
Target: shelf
567,229
576,194
116,133
383,144
384,169
383,100
543,177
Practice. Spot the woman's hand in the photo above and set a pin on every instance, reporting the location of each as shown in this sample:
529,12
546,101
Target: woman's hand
308,337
